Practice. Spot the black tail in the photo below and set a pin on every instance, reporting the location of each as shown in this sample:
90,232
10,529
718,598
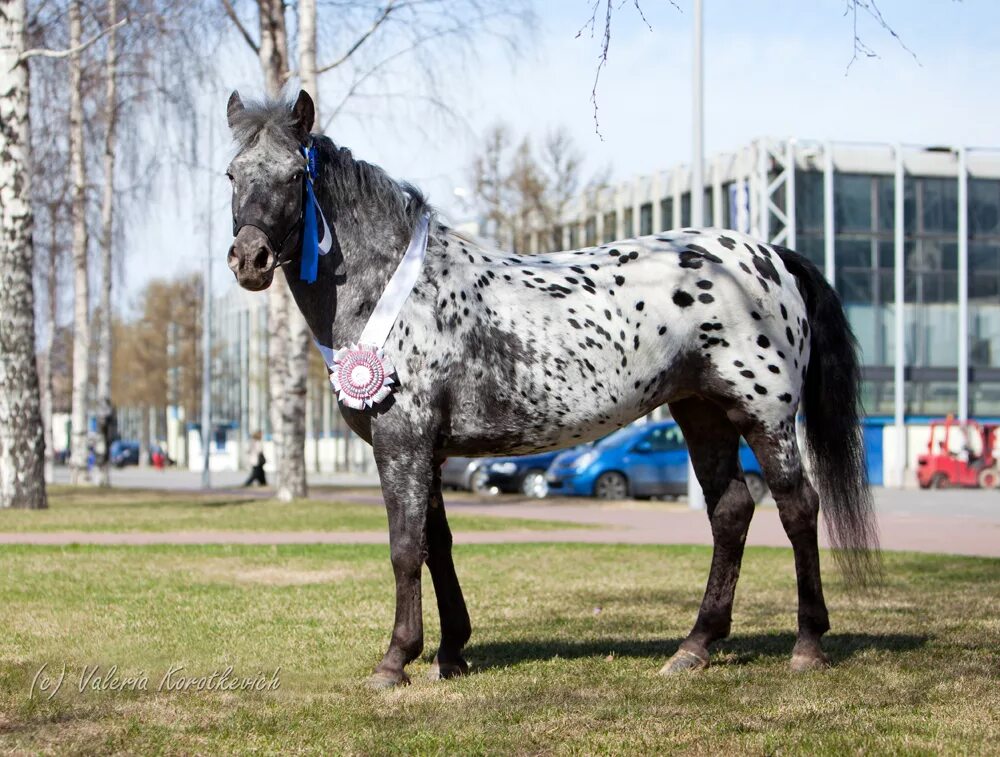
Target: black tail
832,404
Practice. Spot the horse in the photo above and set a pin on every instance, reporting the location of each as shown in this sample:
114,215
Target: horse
494,353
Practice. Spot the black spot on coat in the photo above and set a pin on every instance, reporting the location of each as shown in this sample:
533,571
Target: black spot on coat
682,299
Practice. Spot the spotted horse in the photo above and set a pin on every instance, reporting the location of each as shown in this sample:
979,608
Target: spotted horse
494,353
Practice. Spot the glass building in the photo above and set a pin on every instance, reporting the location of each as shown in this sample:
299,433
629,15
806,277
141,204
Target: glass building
838,205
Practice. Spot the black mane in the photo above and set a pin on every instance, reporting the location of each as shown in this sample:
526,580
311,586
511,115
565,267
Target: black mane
346,179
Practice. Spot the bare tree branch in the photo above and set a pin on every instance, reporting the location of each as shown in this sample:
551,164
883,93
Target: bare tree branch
389,8
231,12
859,46
375,68
44,53
591,24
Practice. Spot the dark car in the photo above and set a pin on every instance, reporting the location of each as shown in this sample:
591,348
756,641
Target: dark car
642,460
124,453
522,474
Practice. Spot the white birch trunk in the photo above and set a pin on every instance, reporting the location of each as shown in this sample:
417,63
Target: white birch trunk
294,483
104,407
307,50
144,442
22,481
81,293
288,339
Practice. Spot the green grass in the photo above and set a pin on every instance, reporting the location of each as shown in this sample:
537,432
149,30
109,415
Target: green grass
567,640
90,509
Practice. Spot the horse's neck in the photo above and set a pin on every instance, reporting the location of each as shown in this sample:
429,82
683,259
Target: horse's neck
352,277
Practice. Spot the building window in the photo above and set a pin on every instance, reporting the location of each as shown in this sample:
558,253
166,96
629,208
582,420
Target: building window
666,213
574,236
646,219
984,290
809,202
984,207
685,210
610,227
938,211
627,225
590,232
852,203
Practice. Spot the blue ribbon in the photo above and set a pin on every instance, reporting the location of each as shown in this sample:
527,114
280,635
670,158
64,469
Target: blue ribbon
310,232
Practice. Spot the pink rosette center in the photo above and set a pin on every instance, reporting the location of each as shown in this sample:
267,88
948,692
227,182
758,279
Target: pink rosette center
362,376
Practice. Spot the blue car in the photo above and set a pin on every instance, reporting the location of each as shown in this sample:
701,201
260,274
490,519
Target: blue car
124,453
524,474
641,461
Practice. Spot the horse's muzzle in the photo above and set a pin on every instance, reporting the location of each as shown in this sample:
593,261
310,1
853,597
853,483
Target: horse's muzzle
252,259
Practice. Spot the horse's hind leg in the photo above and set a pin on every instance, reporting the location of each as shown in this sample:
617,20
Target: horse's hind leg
777,451
713,443
455,626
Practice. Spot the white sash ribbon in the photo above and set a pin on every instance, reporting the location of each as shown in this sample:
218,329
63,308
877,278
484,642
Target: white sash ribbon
360,373
390,304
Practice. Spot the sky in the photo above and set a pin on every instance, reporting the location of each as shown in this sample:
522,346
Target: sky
772,68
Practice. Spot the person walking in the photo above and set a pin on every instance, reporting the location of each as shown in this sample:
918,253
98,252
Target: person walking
257,461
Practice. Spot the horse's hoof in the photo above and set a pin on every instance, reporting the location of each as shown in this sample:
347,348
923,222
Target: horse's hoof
442,670
683,660
803,662
381,680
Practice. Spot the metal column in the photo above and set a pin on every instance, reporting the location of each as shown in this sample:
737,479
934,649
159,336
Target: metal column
206,326
696,498
791,235
963,286
829,262
899,326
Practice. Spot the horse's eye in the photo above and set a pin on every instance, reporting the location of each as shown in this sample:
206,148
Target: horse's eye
231,178
297,176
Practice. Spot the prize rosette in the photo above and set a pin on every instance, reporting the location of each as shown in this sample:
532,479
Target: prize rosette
362,375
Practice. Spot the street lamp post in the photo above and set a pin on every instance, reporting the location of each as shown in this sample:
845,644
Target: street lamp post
206,332
696,498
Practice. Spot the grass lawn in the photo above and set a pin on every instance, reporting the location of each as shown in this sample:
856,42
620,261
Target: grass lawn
567,640
90,509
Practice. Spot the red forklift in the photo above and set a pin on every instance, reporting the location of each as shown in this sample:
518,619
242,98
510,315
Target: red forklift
973,466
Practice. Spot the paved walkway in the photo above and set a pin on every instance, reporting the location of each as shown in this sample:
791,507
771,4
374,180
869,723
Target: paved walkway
918,521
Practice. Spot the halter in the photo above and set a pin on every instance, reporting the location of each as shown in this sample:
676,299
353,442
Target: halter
314,244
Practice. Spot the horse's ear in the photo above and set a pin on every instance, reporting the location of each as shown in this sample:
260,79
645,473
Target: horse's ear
304,113
233,108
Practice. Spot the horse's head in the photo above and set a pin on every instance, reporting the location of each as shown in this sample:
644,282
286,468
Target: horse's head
267,175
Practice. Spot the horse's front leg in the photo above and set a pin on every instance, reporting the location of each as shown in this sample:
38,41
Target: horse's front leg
406,473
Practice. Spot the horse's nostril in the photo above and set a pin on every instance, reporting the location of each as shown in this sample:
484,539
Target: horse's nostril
232,259
262,258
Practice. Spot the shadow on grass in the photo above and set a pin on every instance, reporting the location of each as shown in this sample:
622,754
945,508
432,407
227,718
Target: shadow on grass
743,648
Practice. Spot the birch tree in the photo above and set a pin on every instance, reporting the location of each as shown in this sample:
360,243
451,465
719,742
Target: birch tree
308,74
81,284
288,341
22,481
104,406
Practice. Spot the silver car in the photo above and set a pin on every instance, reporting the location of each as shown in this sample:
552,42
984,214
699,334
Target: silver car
460,473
